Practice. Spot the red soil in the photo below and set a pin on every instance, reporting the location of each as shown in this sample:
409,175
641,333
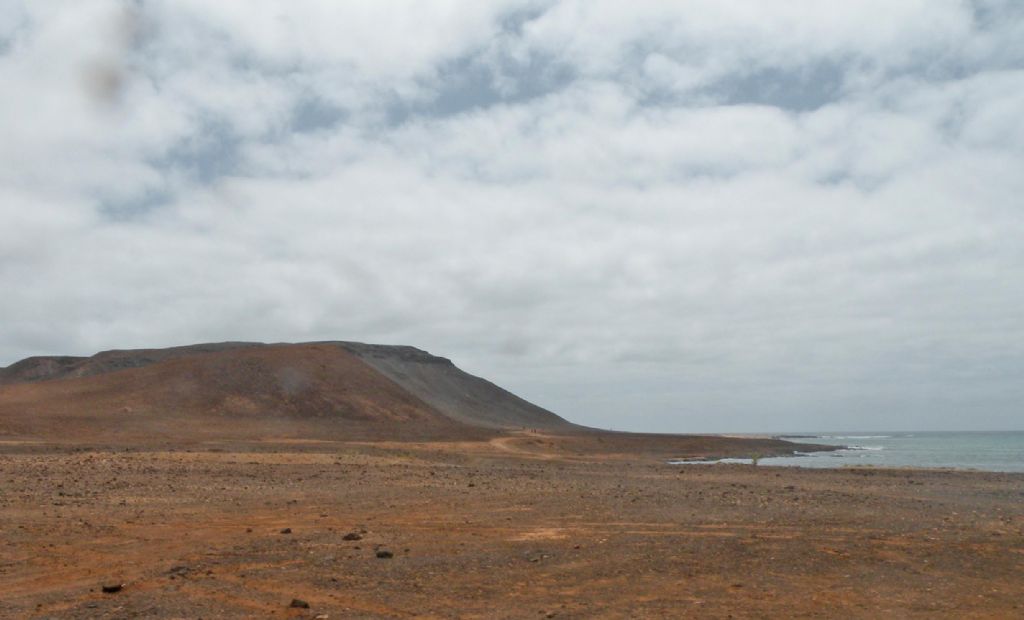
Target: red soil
313,391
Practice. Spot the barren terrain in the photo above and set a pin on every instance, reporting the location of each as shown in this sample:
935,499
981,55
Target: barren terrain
525,525
343,480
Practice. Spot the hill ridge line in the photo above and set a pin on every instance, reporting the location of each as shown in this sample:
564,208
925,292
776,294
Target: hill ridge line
434,380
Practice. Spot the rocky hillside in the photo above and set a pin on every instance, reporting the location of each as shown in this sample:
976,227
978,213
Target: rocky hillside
325,390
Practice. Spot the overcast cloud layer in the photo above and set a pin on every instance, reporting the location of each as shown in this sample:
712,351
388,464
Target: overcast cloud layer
689,216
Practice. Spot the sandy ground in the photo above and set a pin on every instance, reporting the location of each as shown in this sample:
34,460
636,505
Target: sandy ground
509,528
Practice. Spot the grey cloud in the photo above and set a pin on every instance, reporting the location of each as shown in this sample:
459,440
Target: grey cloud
473,83
13,22
315,114
212,151
802,89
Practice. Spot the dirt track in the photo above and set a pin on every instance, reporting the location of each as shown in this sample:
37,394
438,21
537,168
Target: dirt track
517,530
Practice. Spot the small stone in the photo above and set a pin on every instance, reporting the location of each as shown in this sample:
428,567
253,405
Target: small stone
384,554
286,530
352,536
110,588
180,569
299,603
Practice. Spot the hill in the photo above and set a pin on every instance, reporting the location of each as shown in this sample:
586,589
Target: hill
327,390
457,394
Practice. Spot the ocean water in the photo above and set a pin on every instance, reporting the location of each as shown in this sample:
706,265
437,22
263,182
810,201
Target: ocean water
983,451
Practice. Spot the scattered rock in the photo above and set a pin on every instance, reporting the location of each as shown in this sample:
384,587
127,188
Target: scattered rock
178,571
110,588
299,603
384,554
286,530
352,536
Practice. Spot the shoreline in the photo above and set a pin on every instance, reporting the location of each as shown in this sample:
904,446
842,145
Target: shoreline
729,460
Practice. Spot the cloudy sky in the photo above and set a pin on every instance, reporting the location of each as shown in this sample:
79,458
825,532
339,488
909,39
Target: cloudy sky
675,216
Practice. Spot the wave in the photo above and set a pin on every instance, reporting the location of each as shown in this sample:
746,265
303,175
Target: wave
710,461
855,437
835,436
872,448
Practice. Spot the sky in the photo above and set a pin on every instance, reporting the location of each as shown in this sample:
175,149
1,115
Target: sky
699,216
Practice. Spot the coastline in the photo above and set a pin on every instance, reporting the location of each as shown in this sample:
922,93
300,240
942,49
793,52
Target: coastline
997,451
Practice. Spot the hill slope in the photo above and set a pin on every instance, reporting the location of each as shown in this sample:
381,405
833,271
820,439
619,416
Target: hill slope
457,394
313,391
325,390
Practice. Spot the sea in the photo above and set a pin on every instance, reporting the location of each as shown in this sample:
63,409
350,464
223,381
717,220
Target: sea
983,451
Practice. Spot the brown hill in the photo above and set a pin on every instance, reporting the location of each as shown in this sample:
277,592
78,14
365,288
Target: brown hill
329,390
45,368
311,391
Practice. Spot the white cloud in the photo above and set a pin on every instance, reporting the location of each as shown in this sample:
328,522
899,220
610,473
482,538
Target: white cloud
701,216
602,38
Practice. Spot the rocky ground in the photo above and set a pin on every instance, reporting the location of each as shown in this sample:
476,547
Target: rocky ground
507,528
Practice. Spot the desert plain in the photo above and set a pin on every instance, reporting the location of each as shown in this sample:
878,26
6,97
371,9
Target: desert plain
342,480
521,526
